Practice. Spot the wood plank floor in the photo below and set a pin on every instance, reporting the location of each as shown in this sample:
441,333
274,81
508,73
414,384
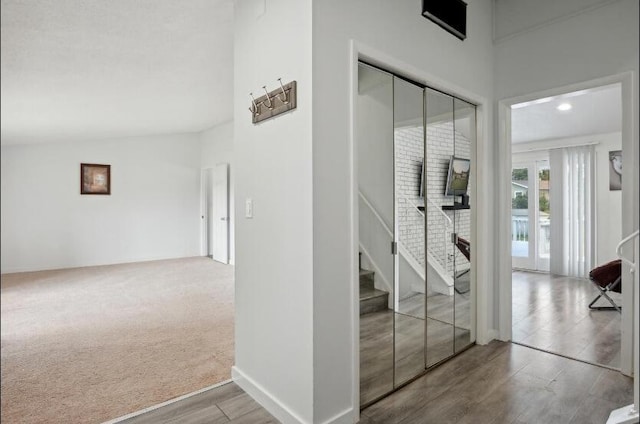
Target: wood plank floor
377,355
506,383
492,384
551,313
224,404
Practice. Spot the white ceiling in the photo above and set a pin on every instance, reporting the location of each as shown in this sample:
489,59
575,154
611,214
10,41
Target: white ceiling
515,16
91,69
595,111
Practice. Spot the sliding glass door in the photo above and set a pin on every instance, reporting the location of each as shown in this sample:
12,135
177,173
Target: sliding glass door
530,215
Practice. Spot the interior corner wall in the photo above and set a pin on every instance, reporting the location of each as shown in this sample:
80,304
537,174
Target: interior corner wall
217,147
273,168
398,30
608,202
152,212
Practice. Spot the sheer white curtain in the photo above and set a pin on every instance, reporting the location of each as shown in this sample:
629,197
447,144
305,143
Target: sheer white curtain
572,218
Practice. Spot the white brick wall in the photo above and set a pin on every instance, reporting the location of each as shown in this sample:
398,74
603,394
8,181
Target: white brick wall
409,154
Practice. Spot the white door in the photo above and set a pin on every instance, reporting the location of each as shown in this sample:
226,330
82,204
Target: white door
530,218
208,198
220,225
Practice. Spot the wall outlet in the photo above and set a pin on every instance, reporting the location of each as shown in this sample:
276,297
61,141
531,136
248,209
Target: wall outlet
248,208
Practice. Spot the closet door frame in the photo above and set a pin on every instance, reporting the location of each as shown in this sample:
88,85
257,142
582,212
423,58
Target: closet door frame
481,218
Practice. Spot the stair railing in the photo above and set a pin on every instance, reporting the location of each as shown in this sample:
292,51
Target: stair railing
446,228
630,413
376,214
444,258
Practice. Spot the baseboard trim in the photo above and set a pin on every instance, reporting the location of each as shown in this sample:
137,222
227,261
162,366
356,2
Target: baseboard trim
486,337
169,402
264,398
344,417
493,334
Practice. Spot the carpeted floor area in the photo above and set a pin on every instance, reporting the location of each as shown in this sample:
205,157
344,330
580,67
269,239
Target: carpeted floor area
86,345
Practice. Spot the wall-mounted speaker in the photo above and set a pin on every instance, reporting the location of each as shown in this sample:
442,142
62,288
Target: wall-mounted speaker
449,14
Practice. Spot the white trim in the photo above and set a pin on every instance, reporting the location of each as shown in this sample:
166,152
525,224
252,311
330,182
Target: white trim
267,400
354,234
625,415
169,402
493,334
628,132
344,417
503,249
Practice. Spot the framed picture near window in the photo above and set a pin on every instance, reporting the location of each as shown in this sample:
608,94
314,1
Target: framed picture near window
615,170
95,179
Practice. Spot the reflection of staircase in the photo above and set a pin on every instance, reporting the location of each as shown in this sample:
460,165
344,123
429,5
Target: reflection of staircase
371,299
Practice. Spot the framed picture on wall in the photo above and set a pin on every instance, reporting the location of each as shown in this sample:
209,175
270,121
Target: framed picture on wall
615,170
95,179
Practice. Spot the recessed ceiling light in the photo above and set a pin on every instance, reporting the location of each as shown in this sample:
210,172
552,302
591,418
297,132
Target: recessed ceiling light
564,106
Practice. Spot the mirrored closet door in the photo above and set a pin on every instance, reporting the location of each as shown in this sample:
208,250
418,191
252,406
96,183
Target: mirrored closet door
415,173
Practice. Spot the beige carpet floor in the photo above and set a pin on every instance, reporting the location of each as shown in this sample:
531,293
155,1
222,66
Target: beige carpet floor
86,345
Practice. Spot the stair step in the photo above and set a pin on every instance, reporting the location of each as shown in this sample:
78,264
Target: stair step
366,279
373,300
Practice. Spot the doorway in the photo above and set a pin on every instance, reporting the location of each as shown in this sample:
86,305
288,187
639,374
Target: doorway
215,228
550,296
417,286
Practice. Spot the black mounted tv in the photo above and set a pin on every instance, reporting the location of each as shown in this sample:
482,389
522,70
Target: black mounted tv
421,179
457,177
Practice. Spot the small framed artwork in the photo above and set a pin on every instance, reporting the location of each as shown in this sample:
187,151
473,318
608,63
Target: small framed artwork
615,170
95,179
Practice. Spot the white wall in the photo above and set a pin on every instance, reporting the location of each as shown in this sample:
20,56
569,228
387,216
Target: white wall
397,30
608,203
217,147
514,16
596,44
274,263
152,212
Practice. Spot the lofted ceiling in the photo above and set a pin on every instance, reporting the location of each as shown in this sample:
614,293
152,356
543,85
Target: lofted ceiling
595,111
74,70
91,69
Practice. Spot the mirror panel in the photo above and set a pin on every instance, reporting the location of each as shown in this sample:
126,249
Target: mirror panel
464,135
440,254
409,305
374,128
415,148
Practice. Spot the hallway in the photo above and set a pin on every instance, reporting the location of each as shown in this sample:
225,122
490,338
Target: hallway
551,313
497,383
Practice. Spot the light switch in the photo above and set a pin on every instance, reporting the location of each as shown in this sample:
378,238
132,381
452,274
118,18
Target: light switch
248,208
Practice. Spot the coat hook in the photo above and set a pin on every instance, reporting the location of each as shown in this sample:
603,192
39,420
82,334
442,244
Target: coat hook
270,105
284,98
254,109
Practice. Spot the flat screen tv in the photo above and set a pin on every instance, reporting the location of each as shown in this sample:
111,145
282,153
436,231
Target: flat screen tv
457,177
422,179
